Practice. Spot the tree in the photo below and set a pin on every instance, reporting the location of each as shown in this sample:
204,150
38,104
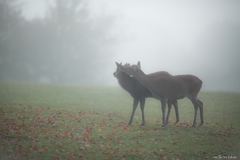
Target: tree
10,22
66,46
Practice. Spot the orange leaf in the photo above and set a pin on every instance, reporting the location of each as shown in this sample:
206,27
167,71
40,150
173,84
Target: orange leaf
160,154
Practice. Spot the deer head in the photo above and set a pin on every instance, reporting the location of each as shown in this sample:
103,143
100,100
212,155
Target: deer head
131,70
119,69
120,66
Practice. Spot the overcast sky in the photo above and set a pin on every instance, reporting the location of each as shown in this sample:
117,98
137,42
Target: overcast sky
181,37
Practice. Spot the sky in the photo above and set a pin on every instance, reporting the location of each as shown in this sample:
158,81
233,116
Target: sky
201,38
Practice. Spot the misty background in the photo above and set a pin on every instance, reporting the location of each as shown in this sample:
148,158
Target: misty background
79,41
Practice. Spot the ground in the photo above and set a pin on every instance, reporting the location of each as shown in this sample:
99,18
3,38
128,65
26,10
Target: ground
46,121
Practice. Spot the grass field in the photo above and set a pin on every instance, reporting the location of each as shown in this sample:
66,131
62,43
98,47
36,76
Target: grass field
43,121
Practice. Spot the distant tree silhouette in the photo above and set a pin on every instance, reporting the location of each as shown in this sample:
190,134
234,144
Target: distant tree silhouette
65,46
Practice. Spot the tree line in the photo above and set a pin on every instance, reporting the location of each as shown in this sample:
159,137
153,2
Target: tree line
64,46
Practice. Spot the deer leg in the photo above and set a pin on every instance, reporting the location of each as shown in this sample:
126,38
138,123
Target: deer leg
169,110
163,102
200,105
142,104
194,102
135,104
175,104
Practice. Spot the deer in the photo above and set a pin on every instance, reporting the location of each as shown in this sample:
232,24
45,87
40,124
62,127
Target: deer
139,92
168,88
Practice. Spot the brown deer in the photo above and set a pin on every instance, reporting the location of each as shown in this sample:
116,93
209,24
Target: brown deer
166,88
139,92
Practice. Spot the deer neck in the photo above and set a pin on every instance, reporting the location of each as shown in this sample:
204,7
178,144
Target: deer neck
126,82
144,80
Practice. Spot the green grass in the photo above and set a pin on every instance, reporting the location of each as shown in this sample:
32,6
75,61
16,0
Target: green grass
42,121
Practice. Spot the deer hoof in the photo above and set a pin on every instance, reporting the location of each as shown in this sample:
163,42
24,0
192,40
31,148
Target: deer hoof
166,123
142,124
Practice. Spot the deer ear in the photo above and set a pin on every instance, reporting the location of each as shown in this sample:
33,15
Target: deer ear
119,66
139,65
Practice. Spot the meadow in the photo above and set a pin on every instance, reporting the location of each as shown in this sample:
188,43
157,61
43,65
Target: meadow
54,121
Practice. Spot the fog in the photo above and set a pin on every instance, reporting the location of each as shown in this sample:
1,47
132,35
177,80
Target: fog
70,41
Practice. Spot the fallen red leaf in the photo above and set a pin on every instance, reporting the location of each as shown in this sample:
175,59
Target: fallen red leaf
160,154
